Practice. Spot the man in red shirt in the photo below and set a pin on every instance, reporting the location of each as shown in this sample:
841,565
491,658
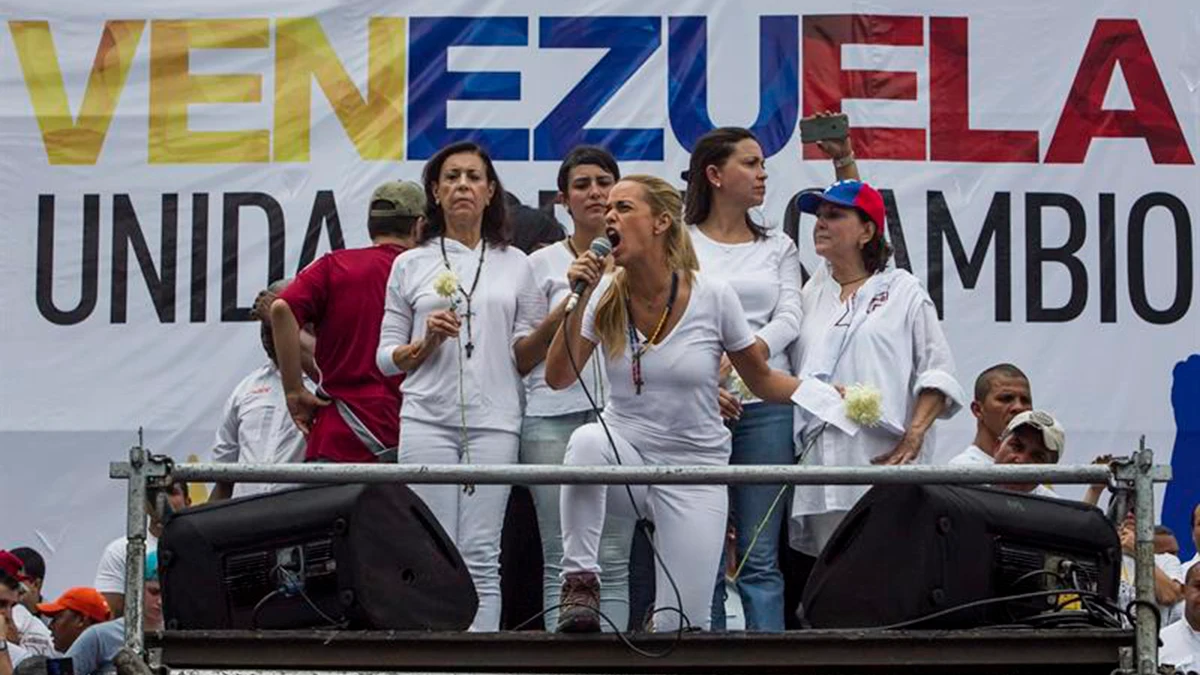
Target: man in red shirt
355,414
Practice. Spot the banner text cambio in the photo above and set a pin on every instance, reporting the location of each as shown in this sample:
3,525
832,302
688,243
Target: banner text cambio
413,53
944,245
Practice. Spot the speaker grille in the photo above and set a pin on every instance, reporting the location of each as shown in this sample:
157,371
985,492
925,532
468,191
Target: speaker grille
1017,566
248,577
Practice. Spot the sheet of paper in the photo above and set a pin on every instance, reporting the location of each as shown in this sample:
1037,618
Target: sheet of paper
823,401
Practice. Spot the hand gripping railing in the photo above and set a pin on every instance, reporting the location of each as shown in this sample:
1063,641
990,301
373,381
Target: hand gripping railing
1139,473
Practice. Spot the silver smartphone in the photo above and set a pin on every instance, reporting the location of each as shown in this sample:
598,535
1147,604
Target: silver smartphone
831,128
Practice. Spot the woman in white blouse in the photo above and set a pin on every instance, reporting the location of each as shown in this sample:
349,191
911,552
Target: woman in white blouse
584,180
662,329
463,320
726,178
864,323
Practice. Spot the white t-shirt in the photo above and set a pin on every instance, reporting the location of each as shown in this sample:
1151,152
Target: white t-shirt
110,573
1170,566
506,306
1181,646
765,274
35,636
550,273
256,427
678,403
975,456
972,456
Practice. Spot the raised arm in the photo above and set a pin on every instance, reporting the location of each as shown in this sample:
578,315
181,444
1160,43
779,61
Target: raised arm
842,154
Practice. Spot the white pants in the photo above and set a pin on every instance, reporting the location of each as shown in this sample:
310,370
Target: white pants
472,521
689,524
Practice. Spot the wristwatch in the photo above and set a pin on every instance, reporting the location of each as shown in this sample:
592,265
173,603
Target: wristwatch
843,162
3,645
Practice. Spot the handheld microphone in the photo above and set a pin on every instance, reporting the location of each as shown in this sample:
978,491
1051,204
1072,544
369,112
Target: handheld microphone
601,246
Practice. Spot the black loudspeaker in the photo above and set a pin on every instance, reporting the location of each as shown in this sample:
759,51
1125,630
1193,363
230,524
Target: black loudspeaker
908,551
360,556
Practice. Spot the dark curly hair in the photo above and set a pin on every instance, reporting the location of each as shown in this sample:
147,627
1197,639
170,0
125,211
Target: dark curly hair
495,223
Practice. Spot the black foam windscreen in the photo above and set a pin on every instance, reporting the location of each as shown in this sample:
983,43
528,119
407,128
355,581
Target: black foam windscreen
364,556
908,551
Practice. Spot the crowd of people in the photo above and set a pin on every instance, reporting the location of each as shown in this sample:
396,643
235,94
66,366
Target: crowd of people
693,342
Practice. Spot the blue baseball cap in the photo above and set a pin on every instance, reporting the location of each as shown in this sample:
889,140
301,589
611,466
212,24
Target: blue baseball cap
852,194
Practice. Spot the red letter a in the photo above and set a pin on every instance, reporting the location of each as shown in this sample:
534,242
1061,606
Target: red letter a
1152,118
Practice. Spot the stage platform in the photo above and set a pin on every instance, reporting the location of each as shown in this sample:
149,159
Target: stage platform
1007,651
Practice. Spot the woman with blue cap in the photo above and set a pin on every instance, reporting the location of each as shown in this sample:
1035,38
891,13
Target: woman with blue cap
871,326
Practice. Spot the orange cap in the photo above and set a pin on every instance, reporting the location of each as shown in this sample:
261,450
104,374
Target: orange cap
82,600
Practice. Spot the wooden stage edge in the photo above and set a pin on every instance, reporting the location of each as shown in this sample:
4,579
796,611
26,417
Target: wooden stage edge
1009,651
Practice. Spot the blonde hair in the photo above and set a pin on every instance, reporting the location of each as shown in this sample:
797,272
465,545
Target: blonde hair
611,319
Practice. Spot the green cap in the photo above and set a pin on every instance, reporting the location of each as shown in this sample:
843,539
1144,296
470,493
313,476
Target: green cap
406,197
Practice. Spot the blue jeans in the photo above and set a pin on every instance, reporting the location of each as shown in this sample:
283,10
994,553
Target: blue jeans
762,436
544,441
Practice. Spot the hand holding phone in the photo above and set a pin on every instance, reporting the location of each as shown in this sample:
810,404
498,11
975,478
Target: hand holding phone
824,128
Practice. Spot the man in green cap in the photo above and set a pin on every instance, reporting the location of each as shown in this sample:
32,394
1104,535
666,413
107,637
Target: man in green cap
354,416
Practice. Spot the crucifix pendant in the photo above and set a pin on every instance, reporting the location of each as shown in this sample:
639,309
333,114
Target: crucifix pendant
470,346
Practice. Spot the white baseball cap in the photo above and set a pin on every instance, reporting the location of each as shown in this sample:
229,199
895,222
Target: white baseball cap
1053,434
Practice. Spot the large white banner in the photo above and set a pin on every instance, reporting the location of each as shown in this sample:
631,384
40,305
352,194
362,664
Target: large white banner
161,163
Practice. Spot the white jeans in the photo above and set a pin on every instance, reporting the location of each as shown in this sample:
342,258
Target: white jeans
472,521
689,524
544,441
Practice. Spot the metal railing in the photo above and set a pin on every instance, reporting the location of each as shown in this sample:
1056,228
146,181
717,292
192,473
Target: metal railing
1137,473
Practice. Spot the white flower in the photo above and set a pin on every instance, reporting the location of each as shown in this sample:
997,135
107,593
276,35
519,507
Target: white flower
863,404
446,283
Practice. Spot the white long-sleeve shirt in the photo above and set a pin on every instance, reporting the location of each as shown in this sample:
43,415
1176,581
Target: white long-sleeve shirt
550,273
256,427
506,306
765,274
899,348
